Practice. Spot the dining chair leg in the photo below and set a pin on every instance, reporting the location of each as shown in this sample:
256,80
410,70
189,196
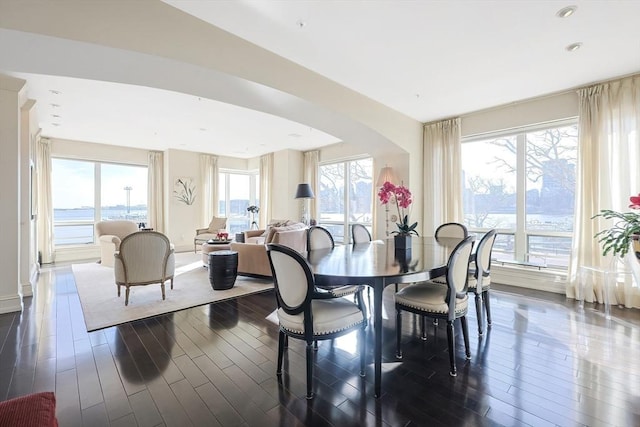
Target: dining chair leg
485,300
479,313
398,333
126,296
423,325
450,343
118,289
309,351
281,345
465,335
363,349
162,287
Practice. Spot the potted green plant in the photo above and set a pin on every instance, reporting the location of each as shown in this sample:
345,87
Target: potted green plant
624,233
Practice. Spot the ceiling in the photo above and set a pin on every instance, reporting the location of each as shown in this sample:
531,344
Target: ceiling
426,59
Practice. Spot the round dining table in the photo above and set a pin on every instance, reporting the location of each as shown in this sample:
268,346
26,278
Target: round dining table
379,264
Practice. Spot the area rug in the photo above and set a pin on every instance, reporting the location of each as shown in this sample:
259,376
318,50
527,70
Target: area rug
103,308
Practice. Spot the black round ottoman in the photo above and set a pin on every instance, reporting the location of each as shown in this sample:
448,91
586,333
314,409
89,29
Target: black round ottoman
223,269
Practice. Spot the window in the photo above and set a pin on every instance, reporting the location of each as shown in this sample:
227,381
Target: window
346,196
85,192
237,191
523,184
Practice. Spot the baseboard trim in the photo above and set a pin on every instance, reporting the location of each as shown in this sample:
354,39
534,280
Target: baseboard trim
10,304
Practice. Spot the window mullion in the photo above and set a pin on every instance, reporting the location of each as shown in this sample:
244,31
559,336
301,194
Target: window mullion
97,191
521,197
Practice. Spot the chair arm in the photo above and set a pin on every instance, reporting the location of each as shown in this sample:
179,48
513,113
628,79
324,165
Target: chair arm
202,230
253,233
110,238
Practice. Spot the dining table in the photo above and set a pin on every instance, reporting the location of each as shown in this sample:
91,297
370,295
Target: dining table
379,264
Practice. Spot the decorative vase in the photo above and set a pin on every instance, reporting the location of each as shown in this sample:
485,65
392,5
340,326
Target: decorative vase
635,245
402,241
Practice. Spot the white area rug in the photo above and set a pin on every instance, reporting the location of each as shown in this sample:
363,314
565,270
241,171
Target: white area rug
103,308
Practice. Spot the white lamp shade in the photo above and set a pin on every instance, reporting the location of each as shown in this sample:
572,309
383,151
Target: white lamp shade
386,175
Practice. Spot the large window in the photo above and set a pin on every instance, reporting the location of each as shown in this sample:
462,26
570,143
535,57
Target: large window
346,196
237,191
85,192
523,185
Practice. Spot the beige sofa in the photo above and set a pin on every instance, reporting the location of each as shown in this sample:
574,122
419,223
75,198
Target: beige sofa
110,234
252,254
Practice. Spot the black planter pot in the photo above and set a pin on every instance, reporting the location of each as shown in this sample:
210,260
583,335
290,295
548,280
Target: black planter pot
402,241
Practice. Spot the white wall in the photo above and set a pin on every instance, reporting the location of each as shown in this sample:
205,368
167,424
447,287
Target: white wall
522,113
11,98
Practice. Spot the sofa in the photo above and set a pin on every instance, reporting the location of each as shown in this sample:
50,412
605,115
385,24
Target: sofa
252,254
110,234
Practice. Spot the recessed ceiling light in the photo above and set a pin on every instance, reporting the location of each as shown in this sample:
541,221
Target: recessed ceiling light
566,12
57,116
573,47
202,129
295,135
55,92
55,124
55,105
301,23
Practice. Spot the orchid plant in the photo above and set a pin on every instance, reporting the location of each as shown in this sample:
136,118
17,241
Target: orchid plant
401,197
626,225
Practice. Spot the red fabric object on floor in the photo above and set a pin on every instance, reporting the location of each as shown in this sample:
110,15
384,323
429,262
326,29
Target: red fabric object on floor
33,410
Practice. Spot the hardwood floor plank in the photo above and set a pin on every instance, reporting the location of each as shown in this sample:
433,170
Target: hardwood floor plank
195,408
169,406
145,410
88,382
67,399
95,416
218,405
115,397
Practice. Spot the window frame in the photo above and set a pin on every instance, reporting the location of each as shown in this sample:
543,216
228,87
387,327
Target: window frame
346,224
254,195
97,198
522,236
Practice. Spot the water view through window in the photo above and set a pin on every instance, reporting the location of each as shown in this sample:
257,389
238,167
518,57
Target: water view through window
85,192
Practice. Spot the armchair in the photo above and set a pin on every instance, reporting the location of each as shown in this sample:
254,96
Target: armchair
144,258
203,234
110,234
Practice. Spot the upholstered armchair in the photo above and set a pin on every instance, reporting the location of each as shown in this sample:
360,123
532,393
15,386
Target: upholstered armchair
144,258
110,234
216,226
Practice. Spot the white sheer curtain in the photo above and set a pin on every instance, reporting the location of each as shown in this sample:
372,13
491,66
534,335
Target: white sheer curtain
310,175
209,185
608,174
44,208
266,179
155,191
442,178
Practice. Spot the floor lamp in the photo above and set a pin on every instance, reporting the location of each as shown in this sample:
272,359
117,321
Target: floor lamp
386,175
304,191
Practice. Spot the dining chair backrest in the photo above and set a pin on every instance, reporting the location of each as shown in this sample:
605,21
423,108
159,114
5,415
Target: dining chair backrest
360,234
292,278
483,257
319,237
458,270
452,229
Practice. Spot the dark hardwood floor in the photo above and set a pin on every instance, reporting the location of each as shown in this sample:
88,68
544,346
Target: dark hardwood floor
544,362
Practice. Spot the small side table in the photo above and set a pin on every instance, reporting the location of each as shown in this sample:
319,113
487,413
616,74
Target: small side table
223,269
